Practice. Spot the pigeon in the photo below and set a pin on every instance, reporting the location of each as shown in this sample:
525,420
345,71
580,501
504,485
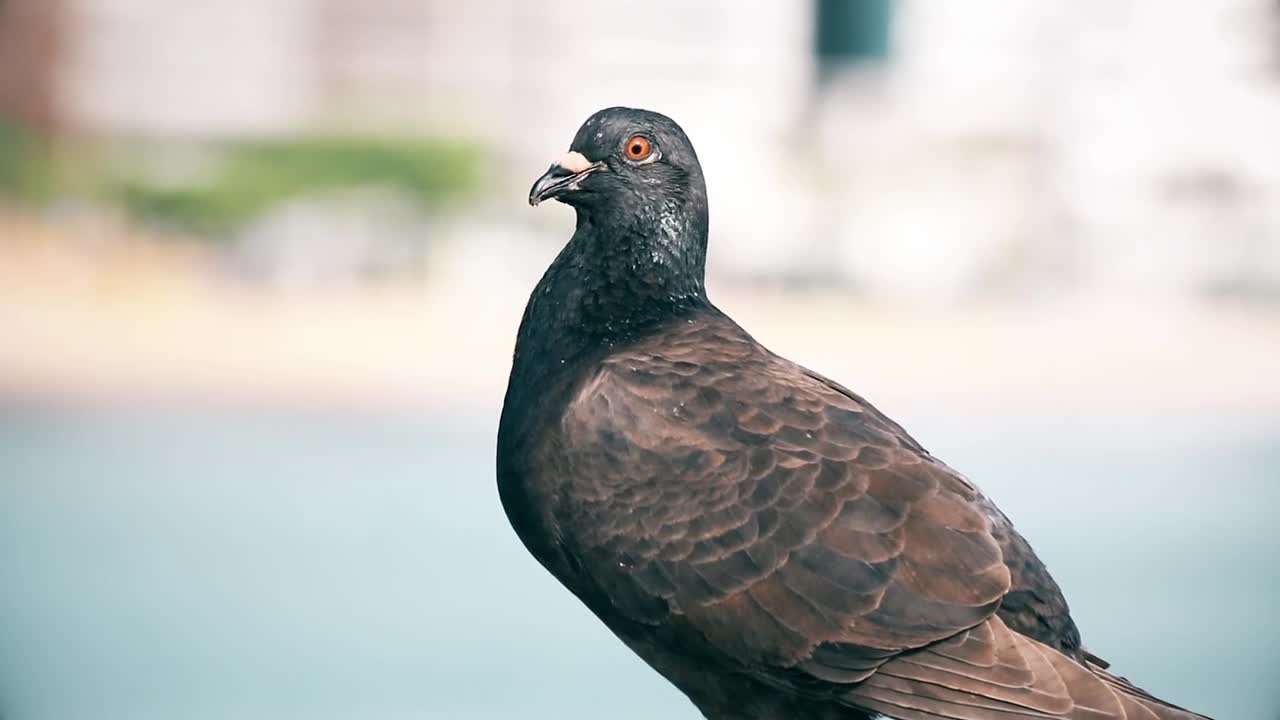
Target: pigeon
759,534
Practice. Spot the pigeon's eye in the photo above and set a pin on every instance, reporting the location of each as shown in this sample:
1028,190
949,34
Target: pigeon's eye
638,147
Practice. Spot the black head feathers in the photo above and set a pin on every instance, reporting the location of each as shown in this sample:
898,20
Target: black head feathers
638,254
629,167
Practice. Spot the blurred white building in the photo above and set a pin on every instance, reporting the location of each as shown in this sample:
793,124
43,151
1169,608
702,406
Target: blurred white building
1124,146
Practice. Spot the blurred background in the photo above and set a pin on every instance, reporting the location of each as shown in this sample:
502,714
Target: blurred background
261,267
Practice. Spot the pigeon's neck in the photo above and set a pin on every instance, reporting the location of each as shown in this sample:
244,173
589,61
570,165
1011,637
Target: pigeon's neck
610,285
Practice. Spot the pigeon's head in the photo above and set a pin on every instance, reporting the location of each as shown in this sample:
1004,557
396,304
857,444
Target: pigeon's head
628,163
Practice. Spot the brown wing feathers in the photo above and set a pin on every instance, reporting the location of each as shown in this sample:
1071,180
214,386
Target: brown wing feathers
993,673
815,544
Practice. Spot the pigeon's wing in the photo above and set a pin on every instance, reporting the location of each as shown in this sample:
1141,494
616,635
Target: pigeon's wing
1034,605
715,487
794,527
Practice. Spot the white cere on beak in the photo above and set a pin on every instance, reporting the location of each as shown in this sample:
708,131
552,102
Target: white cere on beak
574,162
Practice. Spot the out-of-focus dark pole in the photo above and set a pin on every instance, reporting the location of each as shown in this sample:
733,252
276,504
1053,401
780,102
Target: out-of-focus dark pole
848,32
852,45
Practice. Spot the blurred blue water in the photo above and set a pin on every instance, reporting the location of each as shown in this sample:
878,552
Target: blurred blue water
179,564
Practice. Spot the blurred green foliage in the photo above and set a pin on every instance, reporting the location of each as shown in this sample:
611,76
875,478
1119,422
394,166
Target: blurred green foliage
250,177
26,168
233,181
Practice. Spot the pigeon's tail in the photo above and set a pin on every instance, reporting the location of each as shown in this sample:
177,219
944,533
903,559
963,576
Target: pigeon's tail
993,673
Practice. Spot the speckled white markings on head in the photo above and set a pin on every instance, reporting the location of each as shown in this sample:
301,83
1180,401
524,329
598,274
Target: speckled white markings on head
574,162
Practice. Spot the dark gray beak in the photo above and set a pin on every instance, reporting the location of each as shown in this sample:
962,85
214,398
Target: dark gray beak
562,177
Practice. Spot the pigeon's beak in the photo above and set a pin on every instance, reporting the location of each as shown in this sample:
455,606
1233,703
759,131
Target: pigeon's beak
562,177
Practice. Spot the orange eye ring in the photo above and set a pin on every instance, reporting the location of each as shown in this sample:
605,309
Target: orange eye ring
638,147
